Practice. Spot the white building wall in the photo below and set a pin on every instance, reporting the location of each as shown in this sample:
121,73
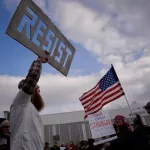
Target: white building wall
63,118
71,126
78,116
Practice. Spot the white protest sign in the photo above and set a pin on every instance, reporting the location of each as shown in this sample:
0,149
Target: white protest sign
101,125
33,29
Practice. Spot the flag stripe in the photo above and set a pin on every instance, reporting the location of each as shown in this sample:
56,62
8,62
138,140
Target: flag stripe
100,100
99,92
102,95
91,97
90,93
94,110
105,102
91,100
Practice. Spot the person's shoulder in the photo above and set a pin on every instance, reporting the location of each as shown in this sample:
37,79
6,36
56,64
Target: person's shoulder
21,98
24,95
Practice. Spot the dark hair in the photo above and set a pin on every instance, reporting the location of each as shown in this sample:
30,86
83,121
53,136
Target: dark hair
46,143
83,143
91,141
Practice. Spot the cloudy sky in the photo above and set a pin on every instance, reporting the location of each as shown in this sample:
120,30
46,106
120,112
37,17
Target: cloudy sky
103,32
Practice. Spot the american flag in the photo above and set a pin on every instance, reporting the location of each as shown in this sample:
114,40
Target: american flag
107,90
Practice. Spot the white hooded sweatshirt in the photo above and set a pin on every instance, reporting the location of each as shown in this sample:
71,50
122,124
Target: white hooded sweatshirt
27,132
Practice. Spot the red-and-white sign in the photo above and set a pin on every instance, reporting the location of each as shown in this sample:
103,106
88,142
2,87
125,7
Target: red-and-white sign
101,125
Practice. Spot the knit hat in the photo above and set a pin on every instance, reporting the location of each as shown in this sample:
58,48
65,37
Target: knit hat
123,119
22,82
120,117
3,122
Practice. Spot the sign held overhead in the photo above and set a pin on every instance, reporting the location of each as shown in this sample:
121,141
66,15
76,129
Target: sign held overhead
33,29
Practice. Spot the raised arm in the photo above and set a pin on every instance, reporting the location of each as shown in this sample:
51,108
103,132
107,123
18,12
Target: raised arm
33,77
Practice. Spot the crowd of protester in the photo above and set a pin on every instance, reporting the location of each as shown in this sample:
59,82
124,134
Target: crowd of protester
27,131
83,145
130,137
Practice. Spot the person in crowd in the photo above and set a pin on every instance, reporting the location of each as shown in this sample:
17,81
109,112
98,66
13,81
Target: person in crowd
124,133
46,146
83,145
141,137
55,147
91,145
68,147
147,107
72,146
4,134
62,146
78,146
27,131
139,124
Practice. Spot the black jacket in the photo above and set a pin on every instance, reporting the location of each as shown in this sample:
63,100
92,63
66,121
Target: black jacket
124,141
4,147
140,139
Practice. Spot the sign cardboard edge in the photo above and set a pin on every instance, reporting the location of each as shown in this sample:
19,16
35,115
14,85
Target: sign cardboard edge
57,30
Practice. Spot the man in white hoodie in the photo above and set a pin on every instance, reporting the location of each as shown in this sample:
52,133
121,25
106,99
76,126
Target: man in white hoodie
27,132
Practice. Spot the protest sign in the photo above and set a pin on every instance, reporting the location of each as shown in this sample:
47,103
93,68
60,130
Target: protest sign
101,126
33,29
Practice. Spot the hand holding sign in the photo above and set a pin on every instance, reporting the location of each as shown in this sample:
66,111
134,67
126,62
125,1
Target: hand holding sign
43,60
106,145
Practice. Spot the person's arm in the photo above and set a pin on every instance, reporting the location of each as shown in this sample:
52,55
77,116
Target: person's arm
28,85
33,77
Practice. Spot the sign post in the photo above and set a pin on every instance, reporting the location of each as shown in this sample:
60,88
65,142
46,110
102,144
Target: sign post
33,29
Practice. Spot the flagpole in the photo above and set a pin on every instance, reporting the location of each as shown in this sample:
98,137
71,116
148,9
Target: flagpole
124,95
128,105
